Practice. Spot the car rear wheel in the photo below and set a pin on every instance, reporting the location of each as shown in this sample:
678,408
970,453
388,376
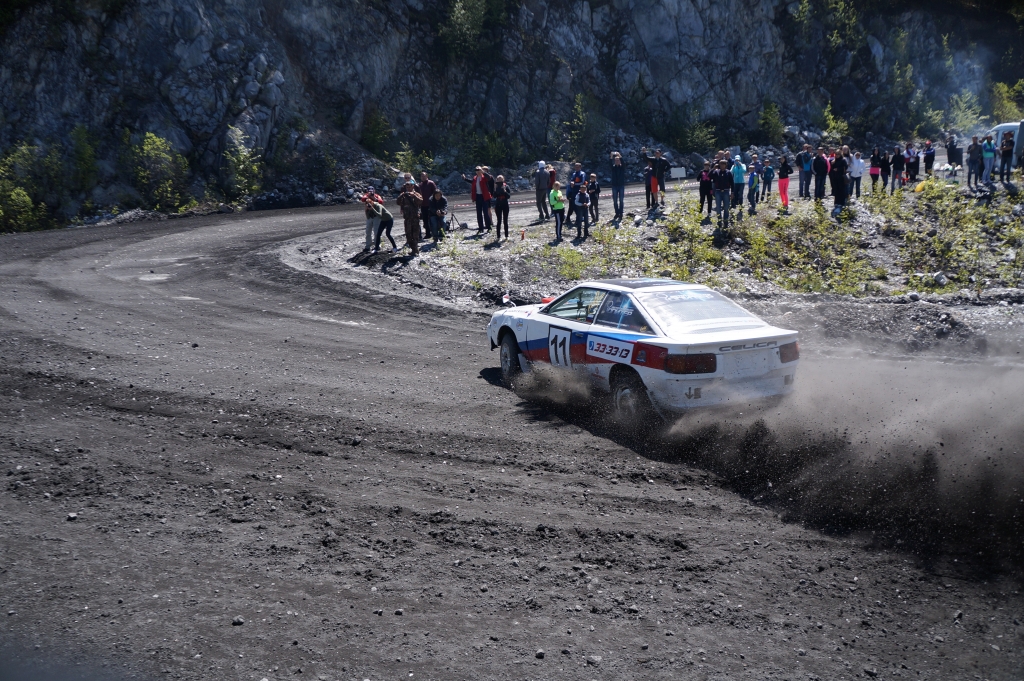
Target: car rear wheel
631,405
510,369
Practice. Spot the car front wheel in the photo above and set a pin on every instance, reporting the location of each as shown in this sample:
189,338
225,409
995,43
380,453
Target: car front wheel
510,369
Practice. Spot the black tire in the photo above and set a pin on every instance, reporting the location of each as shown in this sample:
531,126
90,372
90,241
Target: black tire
631,406
510,369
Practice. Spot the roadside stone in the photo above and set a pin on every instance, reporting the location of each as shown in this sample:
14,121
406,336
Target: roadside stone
399,612
237,622
594,660
72,517
539,654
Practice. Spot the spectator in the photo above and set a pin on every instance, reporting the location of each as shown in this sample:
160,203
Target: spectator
426,189
387,221
875,169
753,188
884,170
899,166
819,167
804,160
988,159
721,182
856,173
410,202
480,192
973,161
438,206
913,161
576,180
1006,157
840,182
618,185
490,187
541,182
502,194
648,179
594,189
929,158
661,167
705,187
739,172
372,216
767,176
582,211
557,199
785,170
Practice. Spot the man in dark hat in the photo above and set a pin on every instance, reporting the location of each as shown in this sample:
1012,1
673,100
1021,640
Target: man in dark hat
409,201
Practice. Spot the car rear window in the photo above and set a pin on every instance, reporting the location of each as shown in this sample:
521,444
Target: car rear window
688,307
620,313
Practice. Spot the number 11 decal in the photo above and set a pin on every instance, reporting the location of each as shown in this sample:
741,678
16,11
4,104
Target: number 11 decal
558,347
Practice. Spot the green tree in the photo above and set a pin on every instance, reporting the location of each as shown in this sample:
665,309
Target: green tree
770,124
460,33
964,113
1006,102
377,132
83,159
244,166
834,127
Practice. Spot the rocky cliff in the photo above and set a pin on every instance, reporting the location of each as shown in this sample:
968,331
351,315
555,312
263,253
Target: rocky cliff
277,76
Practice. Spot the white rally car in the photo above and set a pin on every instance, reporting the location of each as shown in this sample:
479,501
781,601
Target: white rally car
651,343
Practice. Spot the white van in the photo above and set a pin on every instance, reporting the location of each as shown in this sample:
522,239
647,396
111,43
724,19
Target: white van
1018,139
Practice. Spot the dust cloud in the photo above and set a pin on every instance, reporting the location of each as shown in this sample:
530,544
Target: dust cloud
925,455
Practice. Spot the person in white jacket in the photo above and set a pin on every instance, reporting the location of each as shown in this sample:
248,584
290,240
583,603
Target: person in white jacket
857,169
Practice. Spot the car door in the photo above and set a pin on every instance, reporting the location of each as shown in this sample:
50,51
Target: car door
612,337
557,334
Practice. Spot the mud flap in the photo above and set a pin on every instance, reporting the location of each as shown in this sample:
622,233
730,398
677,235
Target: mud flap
524,363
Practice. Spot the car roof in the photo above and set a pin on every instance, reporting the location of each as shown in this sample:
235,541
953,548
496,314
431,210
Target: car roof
641,283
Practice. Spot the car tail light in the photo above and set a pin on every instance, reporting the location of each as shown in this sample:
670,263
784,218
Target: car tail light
790,352
705,363
547,299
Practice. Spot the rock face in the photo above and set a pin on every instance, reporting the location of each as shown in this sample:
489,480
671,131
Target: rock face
190,70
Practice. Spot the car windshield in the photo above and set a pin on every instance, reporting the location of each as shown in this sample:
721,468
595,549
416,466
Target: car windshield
694,310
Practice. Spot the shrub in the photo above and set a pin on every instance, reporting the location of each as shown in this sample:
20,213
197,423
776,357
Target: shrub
583,130
17,212
159,173
834,127
1007,101
964,113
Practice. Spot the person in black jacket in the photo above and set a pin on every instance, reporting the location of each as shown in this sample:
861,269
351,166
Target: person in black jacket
705,187
660,166
437,207
785,170
819,167
618,185
502,194
721,181
594,189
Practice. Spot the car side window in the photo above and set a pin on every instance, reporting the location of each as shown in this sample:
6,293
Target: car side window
619,312
579,305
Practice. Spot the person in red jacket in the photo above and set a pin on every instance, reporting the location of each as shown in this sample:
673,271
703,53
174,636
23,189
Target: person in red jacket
480,192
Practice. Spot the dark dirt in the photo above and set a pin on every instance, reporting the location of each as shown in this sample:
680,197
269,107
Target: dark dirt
276,474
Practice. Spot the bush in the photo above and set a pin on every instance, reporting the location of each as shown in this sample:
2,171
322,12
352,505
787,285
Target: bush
834,127
159,173
1007,102
17,212
583,130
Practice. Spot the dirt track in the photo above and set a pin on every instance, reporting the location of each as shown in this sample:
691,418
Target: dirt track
334,463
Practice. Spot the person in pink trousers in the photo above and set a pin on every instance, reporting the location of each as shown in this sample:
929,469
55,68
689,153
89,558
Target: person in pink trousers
785,170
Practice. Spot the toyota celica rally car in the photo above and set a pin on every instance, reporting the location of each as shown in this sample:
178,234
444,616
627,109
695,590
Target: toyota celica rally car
650,343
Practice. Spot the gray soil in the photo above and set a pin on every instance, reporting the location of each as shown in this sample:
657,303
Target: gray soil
224,460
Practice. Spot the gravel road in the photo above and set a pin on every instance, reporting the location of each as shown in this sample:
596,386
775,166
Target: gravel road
219,466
